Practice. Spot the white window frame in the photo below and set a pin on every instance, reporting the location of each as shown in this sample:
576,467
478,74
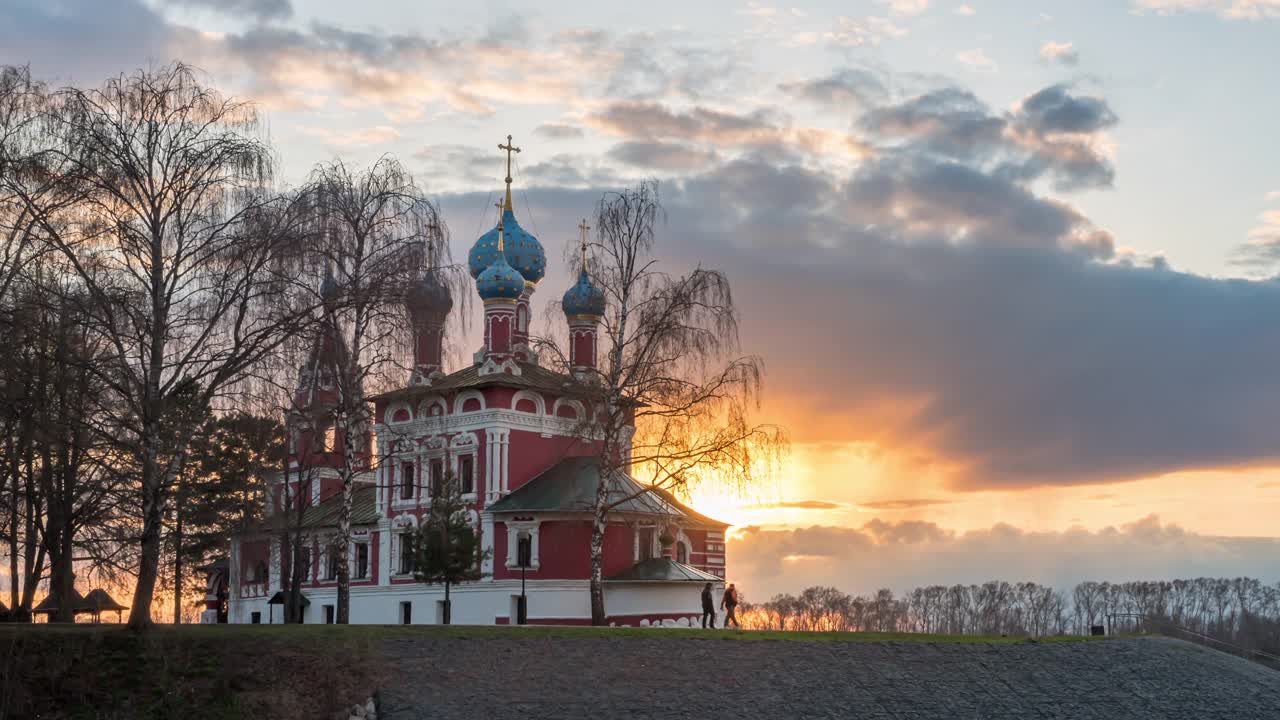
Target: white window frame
355,562
514,528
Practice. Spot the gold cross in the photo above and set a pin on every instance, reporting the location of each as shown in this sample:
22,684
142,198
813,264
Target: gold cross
510,149
499,206
584,227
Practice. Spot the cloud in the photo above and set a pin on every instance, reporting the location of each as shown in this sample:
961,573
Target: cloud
1054,132
105,38
904,504
659,155
558,131
1232,9
1059,52
904,555
260,10
763,129
1261,249
850,32
797,505
905,8
356,137
976,59
966,10
844,89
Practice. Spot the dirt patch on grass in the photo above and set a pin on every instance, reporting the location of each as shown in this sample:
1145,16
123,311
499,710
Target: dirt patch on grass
278,673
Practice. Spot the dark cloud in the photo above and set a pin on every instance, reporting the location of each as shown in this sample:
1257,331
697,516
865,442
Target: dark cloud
86,41
1052,133
844,89
662,155
1056,110
940,308
901,556
261,10
904,504
950,122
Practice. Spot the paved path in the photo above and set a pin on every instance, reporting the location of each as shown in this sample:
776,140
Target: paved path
635,677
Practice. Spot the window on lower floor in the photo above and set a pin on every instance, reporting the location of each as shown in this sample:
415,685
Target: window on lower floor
255,618
437,477
646,545
331,563
406,481
362,561
467,473
328,614
406,613
406,553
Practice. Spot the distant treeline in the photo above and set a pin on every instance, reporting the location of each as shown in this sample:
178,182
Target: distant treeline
1241,611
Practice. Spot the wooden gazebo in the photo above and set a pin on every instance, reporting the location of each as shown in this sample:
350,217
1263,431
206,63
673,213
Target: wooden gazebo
92,604
98,601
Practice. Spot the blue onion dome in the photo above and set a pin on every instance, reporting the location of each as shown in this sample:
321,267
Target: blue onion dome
428,298
524,252
583,298
500,281
329,288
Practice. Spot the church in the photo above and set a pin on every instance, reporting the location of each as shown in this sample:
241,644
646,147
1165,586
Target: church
511,432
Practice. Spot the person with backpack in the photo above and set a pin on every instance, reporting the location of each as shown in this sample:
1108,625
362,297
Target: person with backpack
729,601
708,607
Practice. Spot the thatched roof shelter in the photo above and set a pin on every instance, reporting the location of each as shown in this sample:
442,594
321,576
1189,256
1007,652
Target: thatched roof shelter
98,600
50,605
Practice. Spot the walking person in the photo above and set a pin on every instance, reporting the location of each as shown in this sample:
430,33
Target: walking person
708,607
729,601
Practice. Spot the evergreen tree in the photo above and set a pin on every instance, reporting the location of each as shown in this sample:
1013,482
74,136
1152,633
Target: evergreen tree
446,546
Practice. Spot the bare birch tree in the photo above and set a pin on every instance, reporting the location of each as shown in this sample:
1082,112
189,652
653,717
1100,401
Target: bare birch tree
177,237
373,228
672,400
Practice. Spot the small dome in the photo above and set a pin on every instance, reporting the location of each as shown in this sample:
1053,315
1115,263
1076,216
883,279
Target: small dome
523,251
329,288
583,298
500,281
428,298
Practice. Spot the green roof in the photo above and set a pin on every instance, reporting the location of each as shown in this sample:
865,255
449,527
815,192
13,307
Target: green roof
363,509
570,486
663,570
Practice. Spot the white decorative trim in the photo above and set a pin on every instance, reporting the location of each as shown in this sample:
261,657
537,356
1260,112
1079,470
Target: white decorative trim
492,366
431,403
461,400
514,528
539,404
395,407
578,408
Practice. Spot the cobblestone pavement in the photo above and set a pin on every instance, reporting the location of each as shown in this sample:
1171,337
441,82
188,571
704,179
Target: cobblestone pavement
637,677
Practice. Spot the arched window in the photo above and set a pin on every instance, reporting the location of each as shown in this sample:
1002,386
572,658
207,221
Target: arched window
682,553
522,319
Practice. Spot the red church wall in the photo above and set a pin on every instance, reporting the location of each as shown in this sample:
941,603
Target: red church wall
563,551
528,454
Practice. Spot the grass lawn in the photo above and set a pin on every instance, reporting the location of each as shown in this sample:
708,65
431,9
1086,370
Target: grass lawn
271,671
374,632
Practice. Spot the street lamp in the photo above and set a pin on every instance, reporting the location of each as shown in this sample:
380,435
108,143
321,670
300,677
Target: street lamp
524,558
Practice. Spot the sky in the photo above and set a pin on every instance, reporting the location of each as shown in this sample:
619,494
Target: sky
1009,264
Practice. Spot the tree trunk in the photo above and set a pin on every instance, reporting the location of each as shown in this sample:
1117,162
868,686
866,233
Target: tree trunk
149,562
177,559
598,525
344,544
